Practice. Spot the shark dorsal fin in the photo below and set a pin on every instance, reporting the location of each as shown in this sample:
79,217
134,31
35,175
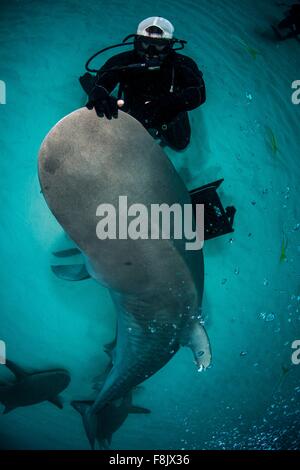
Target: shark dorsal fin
16,370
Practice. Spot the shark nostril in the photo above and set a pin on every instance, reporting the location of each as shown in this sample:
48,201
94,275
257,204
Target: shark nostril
200,353
128,263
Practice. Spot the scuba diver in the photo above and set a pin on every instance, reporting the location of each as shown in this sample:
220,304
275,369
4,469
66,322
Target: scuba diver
291,23
157,86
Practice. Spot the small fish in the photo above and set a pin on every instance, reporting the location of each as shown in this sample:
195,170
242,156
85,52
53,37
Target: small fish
284,245
272,141
253,52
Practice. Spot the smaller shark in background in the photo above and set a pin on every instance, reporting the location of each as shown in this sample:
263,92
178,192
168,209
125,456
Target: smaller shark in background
111,417
32,388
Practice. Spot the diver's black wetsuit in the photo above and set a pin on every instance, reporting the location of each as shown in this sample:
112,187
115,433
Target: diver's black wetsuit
159,99
292,22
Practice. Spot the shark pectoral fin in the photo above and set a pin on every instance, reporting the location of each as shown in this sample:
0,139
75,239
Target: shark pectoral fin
57,401
200,346
90,420
71,272
138,410
7,409
67,253
16,370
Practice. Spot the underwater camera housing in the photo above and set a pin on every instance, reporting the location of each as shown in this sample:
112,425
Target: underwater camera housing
217,220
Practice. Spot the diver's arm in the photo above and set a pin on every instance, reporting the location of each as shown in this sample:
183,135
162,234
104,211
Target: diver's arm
107,77
100,97
193,92
188,94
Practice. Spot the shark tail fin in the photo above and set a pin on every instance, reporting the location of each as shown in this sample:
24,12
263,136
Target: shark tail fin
89,419
105,443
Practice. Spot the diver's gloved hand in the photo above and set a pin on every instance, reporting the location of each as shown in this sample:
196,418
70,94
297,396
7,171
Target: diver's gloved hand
104,104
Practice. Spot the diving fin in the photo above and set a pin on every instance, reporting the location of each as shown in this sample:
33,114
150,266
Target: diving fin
18,372
138,410
217,220
67,253
90,420
57,401
71,272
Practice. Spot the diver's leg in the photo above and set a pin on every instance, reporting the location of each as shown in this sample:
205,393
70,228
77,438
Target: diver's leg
291,35
177,133
286,24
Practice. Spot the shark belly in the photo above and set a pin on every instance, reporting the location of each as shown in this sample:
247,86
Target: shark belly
156,284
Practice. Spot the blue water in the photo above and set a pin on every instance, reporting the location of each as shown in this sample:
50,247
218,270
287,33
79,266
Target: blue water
250,397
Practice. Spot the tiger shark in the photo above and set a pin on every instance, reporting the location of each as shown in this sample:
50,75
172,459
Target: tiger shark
156,284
